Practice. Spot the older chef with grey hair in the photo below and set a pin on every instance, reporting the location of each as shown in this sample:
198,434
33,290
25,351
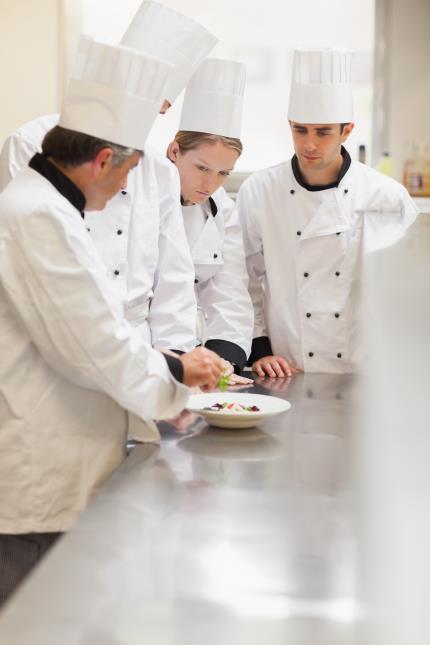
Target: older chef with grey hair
309,224
140,236
72,365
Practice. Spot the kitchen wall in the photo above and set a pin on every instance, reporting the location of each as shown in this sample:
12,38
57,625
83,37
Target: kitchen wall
38,38
403,38
35,50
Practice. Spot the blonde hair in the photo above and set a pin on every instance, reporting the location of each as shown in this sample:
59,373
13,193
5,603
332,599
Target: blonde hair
190,140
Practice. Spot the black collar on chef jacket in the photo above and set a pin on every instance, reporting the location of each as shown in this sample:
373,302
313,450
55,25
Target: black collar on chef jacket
213,206
63,184
344,169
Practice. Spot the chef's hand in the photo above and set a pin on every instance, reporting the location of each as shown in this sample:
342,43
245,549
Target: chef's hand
234,379
273,366
202,367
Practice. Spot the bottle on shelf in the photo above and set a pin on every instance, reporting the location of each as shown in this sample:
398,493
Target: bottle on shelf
416,170
362,153
385,164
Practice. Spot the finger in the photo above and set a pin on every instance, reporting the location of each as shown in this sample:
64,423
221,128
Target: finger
269,370
242,380
227,368
285,367
256,367
214,375
277,370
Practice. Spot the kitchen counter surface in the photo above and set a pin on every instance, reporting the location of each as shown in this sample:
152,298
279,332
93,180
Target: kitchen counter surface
217,536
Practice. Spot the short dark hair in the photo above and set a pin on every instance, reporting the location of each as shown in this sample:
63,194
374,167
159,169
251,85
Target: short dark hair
70,148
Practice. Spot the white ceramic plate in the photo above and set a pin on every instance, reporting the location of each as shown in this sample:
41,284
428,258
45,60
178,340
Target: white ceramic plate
269,406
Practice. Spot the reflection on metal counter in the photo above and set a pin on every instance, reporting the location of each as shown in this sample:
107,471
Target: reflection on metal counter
222,536
393,446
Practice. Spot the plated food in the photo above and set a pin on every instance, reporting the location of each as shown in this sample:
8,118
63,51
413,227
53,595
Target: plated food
236,410
233,407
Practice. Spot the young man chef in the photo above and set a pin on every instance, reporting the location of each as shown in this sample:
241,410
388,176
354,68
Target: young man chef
72,365
309,223
140,234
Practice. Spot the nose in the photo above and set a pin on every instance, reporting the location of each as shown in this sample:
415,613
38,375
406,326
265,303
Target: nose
310,145
210,183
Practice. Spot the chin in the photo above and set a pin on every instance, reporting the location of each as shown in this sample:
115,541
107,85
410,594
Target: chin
200,199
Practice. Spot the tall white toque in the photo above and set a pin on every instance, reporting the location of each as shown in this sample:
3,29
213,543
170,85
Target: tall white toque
214,98
321,87
164,33
114,93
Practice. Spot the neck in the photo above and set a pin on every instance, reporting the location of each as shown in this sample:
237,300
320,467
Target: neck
322,176
74,173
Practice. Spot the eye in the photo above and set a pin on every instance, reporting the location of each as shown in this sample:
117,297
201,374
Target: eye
323,134
202,168
224,173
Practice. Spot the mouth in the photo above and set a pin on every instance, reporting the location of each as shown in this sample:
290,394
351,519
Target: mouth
199,192
310,158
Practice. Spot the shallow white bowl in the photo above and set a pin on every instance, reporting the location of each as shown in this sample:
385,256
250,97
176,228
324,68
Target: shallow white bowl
269,407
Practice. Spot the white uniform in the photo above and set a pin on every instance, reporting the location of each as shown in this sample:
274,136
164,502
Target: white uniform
140,237
304,254
221,280
71,364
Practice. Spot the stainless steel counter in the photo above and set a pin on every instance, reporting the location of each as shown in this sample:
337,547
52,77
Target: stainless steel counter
218,536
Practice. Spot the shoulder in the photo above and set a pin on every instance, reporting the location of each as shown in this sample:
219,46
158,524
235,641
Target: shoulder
377,186
33,131
269,178
28,197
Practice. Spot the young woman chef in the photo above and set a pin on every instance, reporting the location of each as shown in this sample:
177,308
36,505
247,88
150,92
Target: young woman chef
308,225
205,151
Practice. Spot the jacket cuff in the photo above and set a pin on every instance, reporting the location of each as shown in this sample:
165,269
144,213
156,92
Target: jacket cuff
260,347
229,352
175,366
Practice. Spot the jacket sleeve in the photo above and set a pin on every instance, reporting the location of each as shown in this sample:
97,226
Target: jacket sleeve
57,286
173,311
225,298
253,245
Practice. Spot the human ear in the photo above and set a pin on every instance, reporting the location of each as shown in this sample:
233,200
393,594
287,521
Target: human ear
173,151
103,161
347,129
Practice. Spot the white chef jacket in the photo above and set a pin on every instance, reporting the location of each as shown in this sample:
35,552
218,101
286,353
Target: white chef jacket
71,363
304,253
140,237
215,238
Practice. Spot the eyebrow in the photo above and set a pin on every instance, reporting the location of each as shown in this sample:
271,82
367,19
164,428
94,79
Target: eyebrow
323,128
205,163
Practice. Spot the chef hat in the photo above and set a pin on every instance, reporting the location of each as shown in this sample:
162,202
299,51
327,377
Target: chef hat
164,33
321,87
114,93
214,97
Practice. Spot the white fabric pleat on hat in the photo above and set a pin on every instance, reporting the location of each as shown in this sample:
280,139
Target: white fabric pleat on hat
159,31
321,87
213,99
114,93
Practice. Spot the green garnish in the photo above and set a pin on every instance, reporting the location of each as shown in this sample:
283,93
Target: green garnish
223,382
